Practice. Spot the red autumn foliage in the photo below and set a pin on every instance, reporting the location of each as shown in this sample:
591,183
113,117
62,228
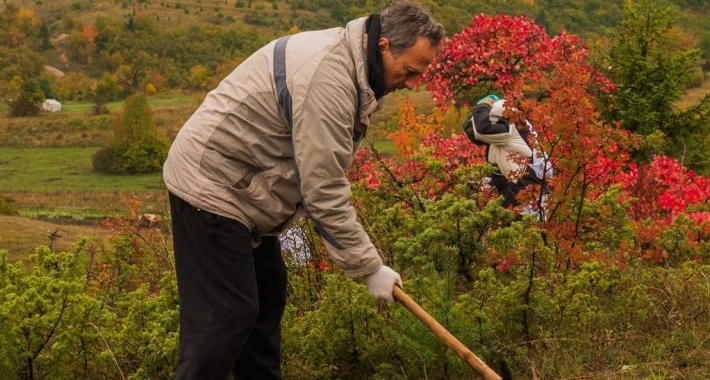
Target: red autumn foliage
549,82
664,188
387,173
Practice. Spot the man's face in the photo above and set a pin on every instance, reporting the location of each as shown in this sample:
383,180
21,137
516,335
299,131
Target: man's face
403,70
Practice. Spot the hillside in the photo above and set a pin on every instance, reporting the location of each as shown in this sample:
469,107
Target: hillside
578,16
154,46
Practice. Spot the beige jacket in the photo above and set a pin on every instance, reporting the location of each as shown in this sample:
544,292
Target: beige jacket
245,154
508,151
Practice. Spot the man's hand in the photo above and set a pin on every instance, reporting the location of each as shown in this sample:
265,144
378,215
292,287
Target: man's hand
381,283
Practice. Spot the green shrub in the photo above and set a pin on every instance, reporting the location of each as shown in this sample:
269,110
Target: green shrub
135,146
29,100
92,313
584,320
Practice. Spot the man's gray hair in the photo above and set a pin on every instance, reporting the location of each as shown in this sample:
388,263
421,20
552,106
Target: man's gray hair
404,21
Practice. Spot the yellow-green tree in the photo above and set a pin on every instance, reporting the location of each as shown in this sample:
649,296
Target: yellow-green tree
650,67
136,146
29,100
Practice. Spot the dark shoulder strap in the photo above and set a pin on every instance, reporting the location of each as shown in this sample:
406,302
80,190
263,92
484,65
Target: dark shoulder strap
284,96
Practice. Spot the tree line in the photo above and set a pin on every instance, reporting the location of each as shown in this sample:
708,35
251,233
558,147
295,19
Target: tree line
114,56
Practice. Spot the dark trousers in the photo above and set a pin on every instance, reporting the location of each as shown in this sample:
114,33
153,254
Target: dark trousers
509,190
232,297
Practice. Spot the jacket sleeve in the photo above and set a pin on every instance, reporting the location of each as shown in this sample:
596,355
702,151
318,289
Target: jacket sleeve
468,129
484,126
323,128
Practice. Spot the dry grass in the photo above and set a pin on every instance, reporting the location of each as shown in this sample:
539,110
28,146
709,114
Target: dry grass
74,214
694,95
87,203
20,236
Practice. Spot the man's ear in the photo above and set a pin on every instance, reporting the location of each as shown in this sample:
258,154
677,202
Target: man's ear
383,43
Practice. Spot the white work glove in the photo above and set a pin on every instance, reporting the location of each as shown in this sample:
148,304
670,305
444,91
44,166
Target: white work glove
381,283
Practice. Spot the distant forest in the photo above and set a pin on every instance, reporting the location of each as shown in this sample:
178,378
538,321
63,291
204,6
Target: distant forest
109,49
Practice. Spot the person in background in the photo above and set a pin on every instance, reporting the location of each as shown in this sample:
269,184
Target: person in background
508,149
272,140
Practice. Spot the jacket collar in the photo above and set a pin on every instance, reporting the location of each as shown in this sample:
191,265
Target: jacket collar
356,35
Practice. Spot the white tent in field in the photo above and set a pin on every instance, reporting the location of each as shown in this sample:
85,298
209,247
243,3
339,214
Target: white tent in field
51,105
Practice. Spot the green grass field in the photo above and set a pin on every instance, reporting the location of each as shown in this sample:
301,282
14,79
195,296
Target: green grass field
177,99
59,183
54,169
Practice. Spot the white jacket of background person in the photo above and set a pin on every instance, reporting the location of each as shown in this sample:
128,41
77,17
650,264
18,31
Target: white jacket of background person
540,163
508,150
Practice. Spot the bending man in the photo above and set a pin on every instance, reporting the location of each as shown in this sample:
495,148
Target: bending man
275,137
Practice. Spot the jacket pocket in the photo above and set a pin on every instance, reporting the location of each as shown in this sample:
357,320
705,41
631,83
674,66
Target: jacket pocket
226,171
270,199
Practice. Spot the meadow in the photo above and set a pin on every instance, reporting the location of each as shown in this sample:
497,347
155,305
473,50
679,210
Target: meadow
64,169
46,167
46,170
56,189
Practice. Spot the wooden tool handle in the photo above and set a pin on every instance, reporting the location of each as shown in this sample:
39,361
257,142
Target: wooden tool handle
445,336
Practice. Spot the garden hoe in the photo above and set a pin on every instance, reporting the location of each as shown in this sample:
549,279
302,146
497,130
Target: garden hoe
445,336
